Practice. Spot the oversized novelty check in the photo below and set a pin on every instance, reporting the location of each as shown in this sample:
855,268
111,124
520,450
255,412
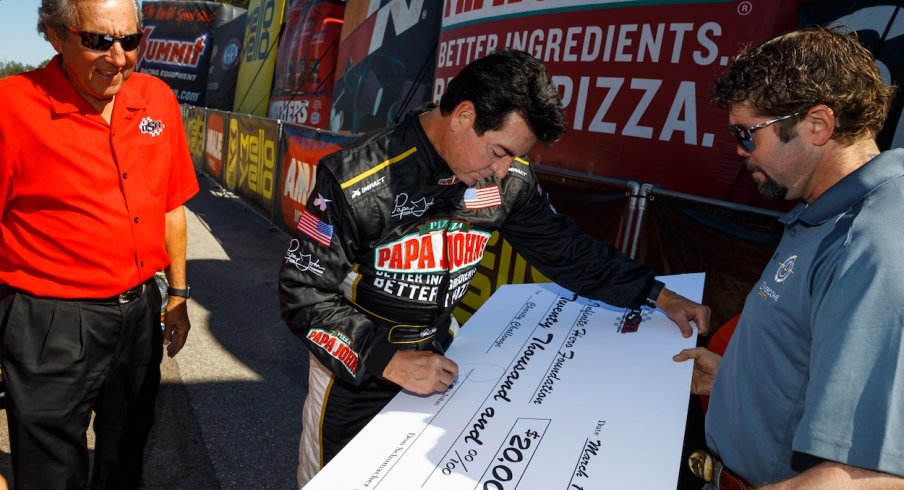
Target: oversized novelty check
554,392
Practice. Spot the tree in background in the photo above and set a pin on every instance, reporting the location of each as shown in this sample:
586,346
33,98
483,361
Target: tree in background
8,68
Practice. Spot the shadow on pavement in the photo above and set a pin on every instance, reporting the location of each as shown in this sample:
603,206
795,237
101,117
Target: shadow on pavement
241,380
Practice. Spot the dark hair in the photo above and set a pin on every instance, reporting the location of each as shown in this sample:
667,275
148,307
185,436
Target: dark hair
797,70
62,13
505,82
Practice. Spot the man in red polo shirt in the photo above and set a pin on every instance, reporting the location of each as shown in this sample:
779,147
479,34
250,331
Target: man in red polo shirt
94,171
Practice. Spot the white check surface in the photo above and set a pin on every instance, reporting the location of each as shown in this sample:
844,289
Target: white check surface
553,393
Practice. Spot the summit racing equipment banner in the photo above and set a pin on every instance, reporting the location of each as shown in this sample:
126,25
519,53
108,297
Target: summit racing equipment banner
193,47
554,391
634,78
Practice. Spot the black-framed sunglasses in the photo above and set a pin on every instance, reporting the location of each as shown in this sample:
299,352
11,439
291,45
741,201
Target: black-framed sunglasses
103,42
744,134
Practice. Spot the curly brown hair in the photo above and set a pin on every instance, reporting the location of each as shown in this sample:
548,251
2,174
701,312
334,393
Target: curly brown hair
797,70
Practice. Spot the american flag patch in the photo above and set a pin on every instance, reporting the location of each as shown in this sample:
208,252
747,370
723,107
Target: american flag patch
317,230
482,197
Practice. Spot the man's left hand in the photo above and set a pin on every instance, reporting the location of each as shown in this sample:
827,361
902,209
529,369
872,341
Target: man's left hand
176,325
683,311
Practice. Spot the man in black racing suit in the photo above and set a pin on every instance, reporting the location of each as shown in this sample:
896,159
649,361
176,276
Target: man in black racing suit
395,227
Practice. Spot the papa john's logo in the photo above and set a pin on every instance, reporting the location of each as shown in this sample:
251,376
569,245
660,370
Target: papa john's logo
785,269
337,346
151,127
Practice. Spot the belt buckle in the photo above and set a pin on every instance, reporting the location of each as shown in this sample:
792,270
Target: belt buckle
710,468
131,295
704,466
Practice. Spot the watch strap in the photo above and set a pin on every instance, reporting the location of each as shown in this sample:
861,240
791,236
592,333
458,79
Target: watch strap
650,300
182,293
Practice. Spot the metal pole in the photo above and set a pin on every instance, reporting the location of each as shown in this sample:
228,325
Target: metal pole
628,220
646,194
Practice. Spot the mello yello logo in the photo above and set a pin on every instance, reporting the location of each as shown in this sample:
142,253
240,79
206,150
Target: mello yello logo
196,135
251,161
257,157
257,41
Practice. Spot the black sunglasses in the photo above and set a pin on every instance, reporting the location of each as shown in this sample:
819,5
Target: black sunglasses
103,42
744,134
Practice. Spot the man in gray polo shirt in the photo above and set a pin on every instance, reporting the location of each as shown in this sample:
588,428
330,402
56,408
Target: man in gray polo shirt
810,392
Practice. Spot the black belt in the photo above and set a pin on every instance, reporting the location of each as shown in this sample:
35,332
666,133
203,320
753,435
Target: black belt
122,298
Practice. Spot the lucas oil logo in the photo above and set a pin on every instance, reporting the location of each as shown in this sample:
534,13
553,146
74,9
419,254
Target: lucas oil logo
337,346
441,245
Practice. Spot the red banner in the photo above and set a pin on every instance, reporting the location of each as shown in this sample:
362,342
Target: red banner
634,79
302,149
306,62
214,144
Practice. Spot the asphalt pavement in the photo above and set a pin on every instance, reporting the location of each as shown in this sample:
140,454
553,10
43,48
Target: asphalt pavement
229,408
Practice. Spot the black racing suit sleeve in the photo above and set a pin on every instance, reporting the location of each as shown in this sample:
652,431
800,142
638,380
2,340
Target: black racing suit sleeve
311,296
554,244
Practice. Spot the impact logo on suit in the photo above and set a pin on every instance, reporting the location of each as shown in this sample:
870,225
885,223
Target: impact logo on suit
337,346
440,245
151,127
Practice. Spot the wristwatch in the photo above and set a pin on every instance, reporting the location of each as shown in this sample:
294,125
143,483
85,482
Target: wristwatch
182,293
650,300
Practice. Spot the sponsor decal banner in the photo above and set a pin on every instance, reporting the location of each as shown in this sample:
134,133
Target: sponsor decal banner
634,78
306,62
225,57
252,91
302,148
251,159
195,120
384,63
180,47
215,144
